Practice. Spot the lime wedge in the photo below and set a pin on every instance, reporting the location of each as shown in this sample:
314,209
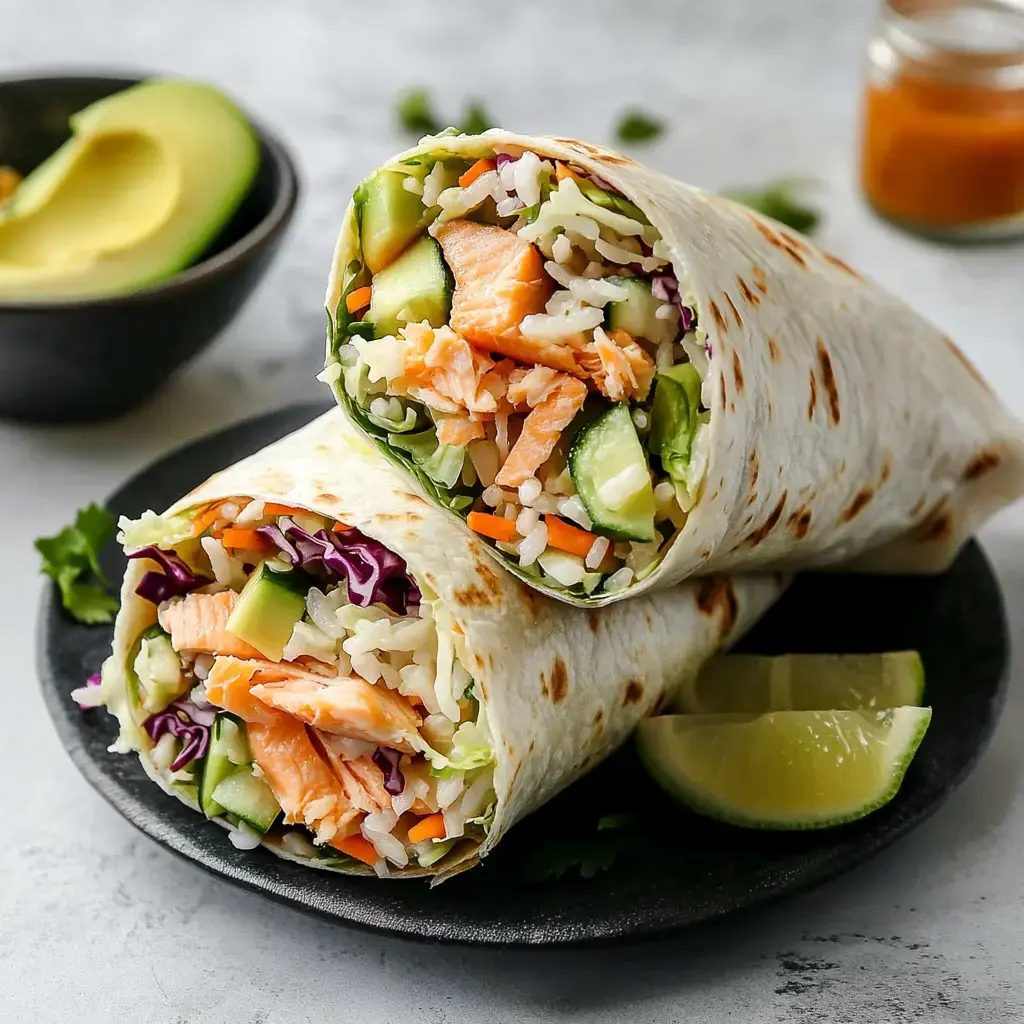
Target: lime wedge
752,684
786,769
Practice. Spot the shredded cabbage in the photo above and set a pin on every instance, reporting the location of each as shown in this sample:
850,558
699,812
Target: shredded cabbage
151,529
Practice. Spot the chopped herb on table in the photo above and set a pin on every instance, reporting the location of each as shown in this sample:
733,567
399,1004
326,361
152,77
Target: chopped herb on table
416,115
777,200
71,560
637,127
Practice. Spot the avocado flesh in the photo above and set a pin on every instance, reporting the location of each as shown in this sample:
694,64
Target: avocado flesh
148,179
390,218
268,608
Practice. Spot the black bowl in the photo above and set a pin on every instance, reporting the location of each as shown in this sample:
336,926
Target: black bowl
88,359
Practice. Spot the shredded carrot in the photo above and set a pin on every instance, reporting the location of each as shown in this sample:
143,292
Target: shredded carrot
569,538
428,828
492,526
206,519
358,847
271,508
563,171
340,527
240,537
359,299
482,166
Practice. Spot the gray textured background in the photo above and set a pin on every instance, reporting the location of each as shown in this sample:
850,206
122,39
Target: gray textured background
96,923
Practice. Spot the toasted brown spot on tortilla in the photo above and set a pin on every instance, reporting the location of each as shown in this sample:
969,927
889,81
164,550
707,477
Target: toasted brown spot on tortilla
773,350
327,499
737,371
399,517
533,601
599,722
735,311
766,232
967,364
704,554
732,405
758,535
273,481
633,693
828,380
886,467
721,381
490,580
752,498
533,746
760,281
984,462
938,525
745,290
755,464
782,240
473,597
837,262
800,522
918,505
559,685
715,596
795,241
716,313
860,501
593,621
841,468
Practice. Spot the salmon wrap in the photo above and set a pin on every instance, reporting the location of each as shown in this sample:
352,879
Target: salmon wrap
619,381
318,658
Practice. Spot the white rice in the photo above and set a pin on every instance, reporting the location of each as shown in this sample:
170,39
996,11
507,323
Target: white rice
597,552
226,569
533,545
492,496
527,171
457,202
640,419
526,522
243,837
435,183
572,508
546,503
413,185
561,249
544,327
529,490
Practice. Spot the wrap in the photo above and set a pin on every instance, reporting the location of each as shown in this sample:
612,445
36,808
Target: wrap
500,700
783,409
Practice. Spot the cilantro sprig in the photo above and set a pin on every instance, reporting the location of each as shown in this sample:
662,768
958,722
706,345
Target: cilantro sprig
71,560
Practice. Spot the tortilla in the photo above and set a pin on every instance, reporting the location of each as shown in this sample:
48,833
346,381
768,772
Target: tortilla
844,429
562,687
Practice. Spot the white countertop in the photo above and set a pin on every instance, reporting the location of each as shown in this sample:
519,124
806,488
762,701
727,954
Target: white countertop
97,923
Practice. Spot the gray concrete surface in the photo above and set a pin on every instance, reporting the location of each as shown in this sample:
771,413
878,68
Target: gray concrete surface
99,925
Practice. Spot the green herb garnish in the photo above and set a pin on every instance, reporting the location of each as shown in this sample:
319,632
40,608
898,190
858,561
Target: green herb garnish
73,554
416,115
777,201
637,127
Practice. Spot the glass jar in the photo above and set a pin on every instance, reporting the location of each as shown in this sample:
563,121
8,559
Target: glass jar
942,147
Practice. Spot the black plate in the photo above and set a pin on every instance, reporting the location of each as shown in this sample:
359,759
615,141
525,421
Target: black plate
684,871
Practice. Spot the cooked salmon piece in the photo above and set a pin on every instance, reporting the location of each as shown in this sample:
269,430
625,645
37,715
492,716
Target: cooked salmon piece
527,388
619,367
542,428
346,705
305,787
458,430
499,279
198,622
361,779
228,686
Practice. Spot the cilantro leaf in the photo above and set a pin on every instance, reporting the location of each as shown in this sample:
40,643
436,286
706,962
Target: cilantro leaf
776,200
475,119
637,127
74,553
415,114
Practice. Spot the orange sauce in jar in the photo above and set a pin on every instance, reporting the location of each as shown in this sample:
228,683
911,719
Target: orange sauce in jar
942,148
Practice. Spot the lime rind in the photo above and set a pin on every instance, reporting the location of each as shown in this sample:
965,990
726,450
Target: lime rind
754,684
754,772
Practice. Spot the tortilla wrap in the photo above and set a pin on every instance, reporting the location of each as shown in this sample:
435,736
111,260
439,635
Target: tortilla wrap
561,687
844,429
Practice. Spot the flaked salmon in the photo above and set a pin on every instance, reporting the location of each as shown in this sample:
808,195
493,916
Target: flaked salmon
307,790
527,388
361,779
348,706
620,368
228,686
458,430
198,622
499,279
541,430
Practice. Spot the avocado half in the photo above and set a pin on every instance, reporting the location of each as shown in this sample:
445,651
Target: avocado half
148,179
